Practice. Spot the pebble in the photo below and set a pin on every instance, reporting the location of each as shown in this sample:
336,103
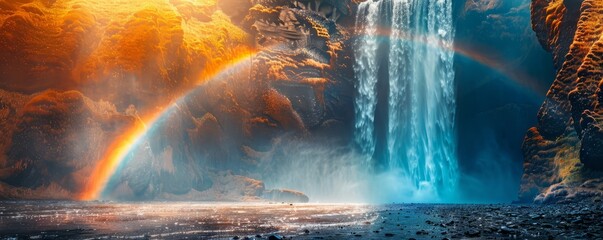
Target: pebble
275,237
473,233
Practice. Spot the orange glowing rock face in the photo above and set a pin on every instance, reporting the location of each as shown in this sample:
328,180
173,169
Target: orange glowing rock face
119,69
103,47
146,53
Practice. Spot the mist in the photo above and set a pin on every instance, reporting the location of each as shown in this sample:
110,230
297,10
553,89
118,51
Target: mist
329,173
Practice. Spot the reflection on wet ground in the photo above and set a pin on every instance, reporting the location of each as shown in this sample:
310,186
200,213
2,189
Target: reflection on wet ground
174,220
190,220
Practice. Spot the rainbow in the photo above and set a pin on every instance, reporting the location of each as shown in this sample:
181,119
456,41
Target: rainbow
119,149
519,78
123,144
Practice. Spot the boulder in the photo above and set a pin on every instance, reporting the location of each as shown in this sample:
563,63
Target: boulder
285,195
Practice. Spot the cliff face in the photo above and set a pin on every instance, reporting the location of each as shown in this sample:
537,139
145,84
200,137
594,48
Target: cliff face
564,153
77,74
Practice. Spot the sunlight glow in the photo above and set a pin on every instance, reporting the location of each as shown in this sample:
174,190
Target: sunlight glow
123,144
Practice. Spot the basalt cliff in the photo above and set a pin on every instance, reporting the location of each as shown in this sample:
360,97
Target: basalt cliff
564,152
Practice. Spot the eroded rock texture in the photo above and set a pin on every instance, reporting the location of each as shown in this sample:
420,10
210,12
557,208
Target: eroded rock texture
77,74
123,52
565,151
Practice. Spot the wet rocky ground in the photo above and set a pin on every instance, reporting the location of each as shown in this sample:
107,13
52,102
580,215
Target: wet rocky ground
101,220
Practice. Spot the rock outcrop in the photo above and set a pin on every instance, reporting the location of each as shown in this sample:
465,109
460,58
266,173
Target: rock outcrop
285,195
564,153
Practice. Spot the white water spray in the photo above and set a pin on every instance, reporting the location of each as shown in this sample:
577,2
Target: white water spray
366,69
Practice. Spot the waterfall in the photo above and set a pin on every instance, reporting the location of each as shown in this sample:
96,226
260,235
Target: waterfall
366,70
420,139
